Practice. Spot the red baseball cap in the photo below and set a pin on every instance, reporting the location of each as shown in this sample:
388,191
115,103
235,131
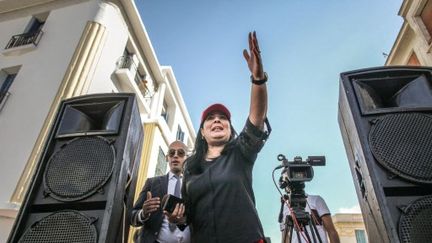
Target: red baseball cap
215,107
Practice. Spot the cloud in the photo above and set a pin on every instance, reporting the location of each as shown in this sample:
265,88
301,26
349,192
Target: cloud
353,209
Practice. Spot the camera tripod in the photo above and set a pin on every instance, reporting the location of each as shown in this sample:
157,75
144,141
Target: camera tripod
293,178
299,220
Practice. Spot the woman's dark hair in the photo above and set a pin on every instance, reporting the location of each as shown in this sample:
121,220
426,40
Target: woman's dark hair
193,163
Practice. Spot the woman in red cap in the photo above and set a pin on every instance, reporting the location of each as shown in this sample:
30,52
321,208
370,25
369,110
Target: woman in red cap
217,186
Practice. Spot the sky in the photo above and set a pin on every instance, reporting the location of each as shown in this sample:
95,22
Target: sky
305,46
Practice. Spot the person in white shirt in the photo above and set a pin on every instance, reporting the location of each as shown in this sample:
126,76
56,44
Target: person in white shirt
319,212
147,211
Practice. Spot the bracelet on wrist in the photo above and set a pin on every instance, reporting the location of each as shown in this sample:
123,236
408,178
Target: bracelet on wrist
260,81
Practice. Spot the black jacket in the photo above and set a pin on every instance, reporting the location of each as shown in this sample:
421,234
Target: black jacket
149,232
220,202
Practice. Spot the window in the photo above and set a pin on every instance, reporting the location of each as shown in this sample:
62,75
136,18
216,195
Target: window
426,17
127,53
126,61
161,165
34,25
140,80
31,34
5,85
180,134
164,112
7,76
360,236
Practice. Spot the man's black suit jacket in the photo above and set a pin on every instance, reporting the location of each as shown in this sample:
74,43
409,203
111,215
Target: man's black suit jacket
158,187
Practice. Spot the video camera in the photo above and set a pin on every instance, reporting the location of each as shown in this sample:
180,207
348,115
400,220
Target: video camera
293,177
298,170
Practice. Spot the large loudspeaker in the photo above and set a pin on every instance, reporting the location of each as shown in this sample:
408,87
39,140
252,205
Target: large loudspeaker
86,176
385,116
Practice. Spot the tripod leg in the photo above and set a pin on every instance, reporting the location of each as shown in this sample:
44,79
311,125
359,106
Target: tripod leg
298,236
313,233
288,235
316,230
284,234
307,235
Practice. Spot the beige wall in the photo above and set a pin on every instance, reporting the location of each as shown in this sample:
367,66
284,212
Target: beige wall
347,224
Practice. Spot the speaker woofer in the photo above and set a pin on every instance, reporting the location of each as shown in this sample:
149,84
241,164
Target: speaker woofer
415,224
402,143
63,226
79,169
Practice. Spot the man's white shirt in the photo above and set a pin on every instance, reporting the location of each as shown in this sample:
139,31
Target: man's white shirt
165,234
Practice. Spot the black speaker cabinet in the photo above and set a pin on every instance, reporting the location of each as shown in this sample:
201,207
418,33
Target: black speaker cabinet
86,176
385,116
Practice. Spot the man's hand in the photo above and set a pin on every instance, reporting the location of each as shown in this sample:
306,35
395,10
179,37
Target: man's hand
177,216
151,205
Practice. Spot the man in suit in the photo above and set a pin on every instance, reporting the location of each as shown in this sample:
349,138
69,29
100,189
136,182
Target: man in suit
147,211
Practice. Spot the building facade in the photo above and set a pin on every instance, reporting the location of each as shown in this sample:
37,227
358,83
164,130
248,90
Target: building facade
413,45
350,227
51,50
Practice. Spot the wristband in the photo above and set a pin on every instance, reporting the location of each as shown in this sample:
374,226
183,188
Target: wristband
261,81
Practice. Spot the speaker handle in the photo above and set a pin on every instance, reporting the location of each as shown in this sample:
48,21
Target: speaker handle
359,175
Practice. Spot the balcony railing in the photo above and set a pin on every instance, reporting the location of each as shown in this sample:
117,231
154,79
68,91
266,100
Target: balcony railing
24,39
127,62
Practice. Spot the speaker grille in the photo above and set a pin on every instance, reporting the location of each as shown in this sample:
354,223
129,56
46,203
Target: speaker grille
61,227
79,168
402,143
415,225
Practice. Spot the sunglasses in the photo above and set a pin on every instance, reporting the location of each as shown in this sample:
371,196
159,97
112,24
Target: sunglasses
180,152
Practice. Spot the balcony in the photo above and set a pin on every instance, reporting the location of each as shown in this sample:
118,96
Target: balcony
22,43
131,80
